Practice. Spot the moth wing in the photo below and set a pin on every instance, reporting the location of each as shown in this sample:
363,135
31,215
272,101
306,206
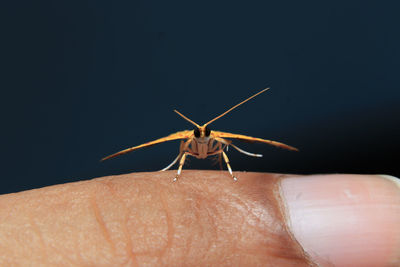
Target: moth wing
252,139
174,136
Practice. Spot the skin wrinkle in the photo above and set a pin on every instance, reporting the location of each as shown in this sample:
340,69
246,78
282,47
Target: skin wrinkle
161,253
241,207
66,258
207,216
79,253
36,229
201,212
189,243
170,229
129,246
231,201
256,227
189,240
76,195
101,223
153,253
249,210
205,207
195,210
74,261
213,226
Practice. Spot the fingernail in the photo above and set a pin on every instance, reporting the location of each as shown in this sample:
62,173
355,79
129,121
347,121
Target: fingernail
345,220
395,180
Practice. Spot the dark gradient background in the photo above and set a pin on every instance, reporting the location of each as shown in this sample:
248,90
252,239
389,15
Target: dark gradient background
84,79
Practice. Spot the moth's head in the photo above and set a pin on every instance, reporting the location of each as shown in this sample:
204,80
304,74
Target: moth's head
202,131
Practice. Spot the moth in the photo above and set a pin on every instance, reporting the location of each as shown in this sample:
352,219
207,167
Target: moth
201,142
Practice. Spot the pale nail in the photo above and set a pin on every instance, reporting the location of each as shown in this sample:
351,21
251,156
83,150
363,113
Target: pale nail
345,220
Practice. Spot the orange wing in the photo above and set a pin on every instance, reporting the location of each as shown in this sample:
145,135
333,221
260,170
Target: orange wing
174,136
251,139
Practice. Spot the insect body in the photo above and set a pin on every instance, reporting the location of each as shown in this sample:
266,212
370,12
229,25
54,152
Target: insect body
202,142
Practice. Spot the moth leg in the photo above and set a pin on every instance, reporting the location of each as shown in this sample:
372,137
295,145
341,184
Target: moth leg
220,161
228,165
214,160
229,143
181,162
182,147
213,147
217,151
172,163
247,153
220,156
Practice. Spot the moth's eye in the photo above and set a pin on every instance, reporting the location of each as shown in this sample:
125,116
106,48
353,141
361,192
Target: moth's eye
196,132
207,131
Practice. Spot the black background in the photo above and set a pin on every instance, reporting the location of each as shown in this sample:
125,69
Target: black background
84,79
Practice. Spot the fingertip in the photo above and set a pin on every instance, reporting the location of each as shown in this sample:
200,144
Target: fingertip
345,220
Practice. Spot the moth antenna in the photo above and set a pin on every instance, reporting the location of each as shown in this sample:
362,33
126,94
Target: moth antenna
186,118
232,108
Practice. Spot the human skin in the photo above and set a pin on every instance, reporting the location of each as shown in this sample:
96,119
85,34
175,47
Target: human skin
145,219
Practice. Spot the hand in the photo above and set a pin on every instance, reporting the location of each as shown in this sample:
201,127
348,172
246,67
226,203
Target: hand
204,219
